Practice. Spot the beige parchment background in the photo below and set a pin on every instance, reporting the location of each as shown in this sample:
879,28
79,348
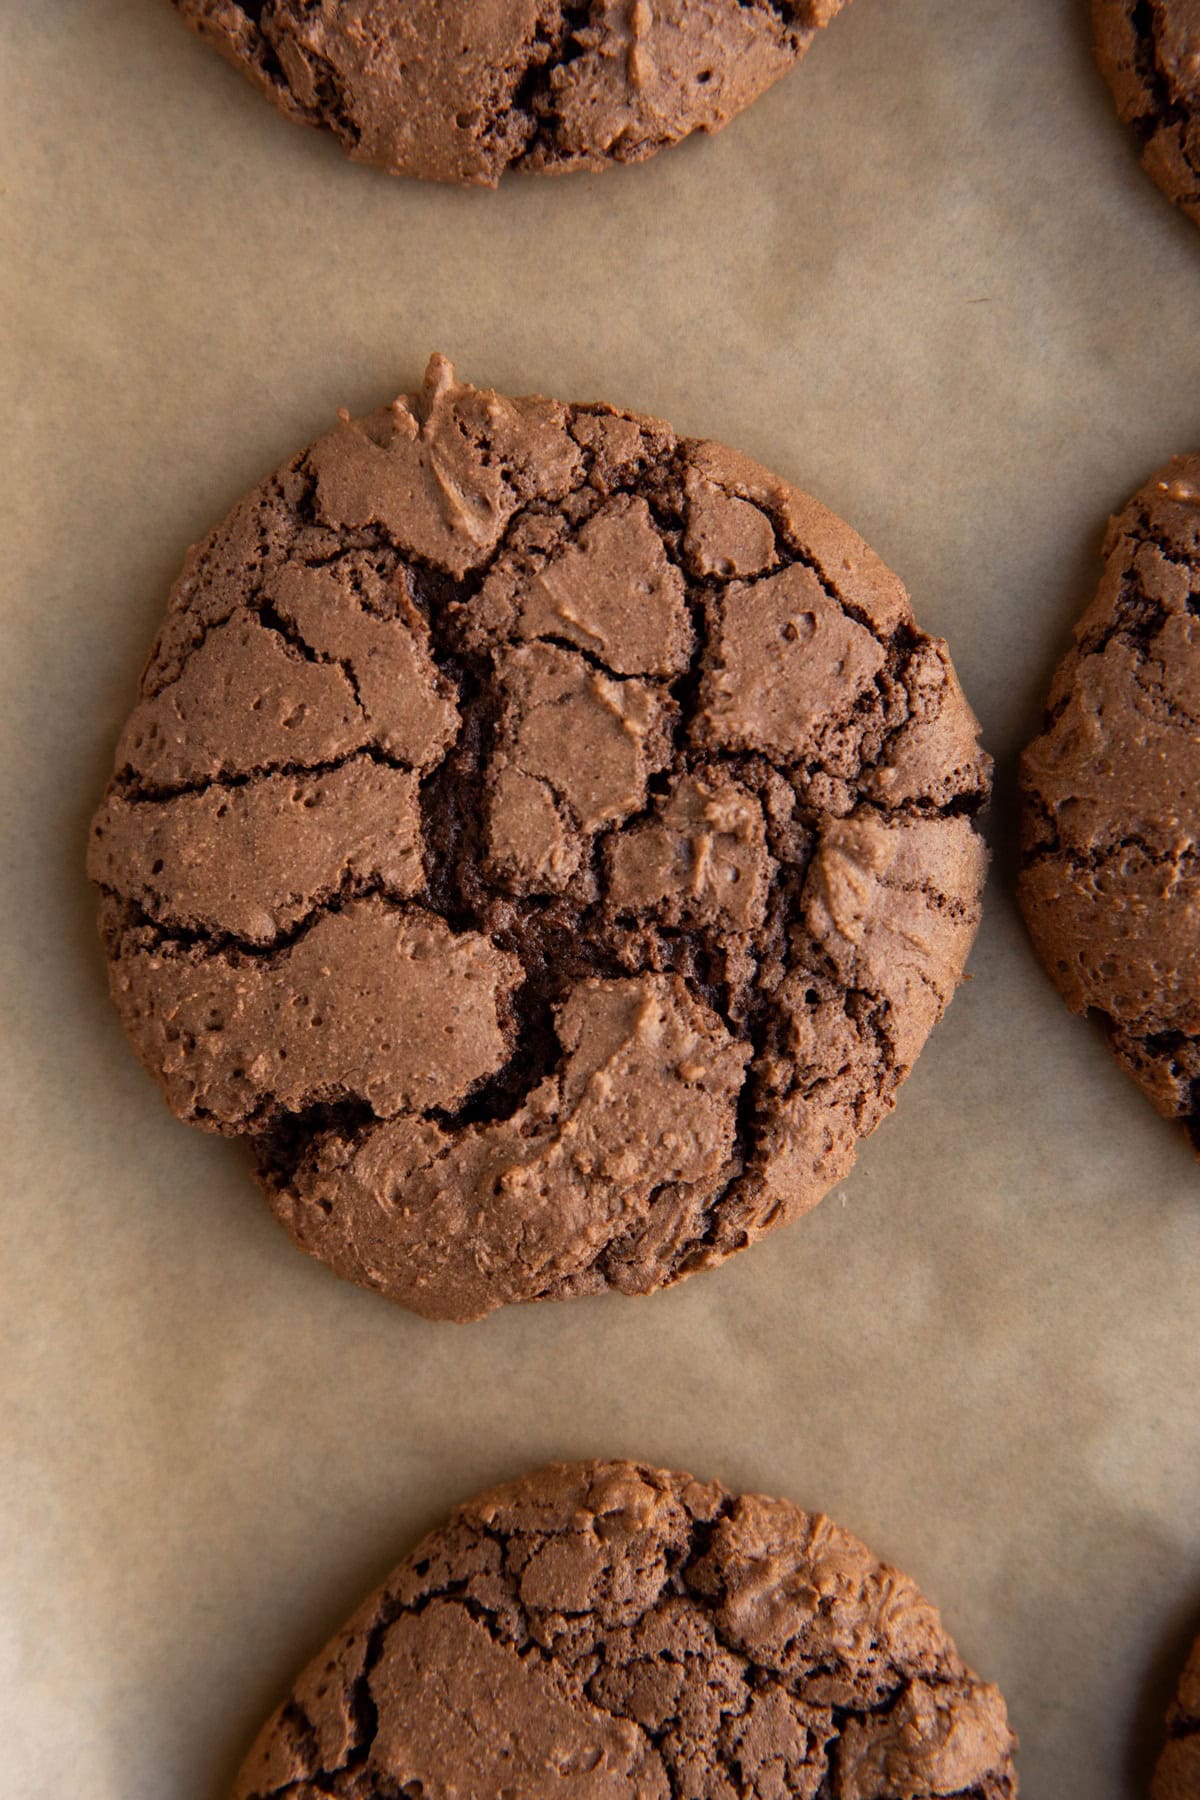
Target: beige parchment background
925,278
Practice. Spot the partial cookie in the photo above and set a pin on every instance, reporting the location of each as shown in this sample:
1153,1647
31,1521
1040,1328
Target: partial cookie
1110,883
462,90
610,1630
1177,1776
549,841
1149,52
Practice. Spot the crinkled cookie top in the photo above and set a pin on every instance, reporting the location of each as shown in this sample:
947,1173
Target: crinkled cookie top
550,842
1149,52
1110,883
461,90
1177,1776
608,1630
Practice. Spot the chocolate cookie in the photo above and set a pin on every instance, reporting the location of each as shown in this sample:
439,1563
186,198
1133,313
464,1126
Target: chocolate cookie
1149,52
609,1630
548,840
1110,883
461,90
1177,1776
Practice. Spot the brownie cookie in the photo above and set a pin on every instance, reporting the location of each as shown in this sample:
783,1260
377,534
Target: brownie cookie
1110,879
461,90
610,1630
1149,52
1177,1776
548,840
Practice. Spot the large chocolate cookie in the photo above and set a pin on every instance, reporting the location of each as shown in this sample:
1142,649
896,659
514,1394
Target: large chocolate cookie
1149,51
606,1630
1178,1774
549,841
1110,883
461,90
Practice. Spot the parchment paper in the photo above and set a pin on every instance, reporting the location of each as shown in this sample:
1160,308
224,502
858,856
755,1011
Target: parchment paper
925,278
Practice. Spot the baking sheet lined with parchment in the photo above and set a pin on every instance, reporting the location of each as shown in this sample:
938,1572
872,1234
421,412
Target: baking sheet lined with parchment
923,277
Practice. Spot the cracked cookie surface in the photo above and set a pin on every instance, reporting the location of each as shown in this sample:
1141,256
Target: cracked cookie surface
462,90
1110,879
1149,53
1177,1776
612,1630
547,840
